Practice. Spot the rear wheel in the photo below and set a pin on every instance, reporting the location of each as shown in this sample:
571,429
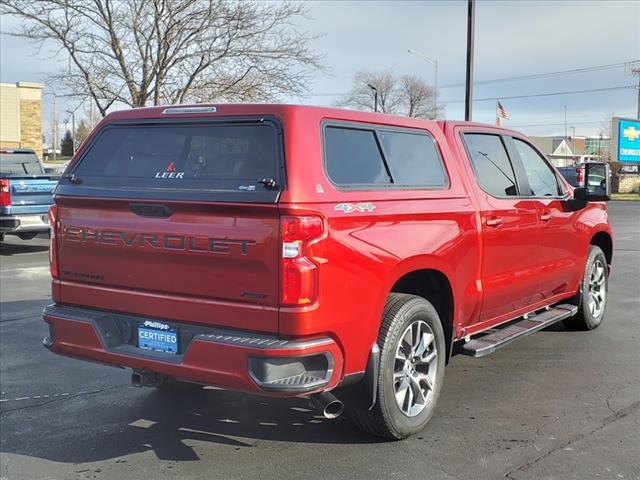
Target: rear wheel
411,373
592,298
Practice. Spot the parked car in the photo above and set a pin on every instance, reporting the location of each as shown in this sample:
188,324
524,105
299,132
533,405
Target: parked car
574,175
302,251
25,194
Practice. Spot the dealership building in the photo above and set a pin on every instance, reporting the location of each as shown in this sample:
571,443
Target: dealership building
568,151
21,116
622,149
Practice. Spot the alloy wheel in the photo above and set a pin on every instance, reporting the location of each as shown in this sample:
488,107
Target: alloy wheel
597,289
415,368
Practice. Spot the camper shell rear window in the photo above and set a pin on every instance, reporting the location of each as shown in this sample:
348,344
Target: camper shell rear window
226,160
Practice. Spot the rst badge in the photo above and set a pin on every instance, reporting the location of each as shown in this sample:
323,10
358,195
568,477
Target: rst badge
355,207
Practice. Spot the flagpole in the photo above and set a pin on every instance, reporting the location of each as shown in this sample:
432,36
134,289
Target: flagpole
497,116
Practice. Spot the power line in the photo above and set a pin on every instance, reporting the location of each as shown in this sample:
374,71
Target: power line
520,77
554,124
547,94
577,117
545,75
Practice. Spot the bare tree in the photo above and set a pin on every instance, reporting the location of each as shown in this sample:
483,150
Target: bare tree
408,95
141,52
362,96
418,99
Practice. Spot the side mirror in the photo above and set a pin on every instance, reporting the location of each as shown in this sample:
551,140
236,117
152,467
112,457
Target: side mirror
597,183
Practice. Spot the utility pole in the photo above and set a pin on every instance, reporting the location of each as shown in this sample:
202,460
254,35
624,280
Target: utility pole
633,68
468,97
636,72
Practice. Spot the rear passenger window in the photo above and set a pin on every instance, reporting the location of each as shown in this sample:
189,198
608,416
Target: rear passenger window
359,156
353,157
413,159
491,164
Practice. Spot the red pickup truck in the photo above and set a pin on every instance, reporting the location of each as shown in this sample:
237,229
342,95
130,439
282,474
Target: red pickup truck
297,251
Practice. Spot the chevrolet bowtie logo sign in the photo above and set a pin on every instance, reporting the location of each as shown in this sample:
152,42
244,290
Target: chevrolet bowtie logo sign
631,133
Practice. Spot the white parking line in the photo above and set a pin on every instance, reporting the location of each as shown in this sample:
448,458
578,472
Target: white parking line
49,395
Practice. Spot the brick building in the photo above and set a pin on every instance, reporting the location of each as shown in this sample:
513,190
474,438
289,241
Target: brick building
21,116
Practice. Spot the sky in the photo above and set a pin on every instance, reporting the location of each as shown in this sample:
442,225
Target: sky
512,38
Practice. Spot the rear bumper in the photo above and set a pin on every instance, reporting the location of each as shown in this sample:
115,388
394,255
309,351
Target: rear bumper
226,358
24,223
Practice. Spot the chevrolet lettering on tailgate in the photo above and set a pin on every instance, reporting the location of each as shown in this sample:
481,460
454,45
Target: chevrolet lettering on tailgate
157,240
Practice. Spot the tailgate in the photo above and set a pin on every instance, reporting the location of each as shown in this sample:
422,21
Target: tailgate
26,193
175,222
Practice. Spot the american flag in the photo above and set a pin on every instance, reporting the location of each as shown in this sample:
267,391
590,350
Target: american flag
500,111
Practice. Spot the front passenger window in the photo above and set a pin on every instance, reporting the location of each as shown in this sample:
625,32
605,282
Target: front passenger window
542,179
491,164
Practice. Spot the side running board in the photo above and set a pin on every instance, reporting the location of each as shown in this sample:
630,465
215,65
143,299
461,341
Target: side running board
504,336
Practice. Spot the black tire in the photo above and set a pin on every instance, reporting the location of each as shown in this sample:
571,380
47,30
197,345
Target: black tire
585,319
387,419
171,384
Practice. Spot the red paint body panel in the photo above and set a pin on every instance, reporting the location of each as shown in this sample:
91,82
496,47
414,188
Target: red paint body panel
495,274
142,278
204,362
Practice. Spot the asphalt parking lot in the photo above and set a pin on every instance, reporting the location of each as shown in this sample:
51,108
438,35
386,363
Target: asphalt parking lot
556,405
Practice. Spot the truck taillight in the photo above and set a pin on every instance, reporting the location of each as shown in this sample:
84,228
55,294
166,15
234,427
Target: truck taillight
580,175
53,241
5,193
299,272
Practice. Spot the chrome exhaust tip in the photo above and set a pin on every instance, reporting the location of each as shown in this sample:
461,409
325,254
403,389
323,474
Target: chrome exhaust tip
326,403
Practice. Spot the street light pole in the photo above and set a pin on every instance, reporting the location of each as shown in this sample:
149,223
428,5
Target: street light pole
73,132
468,97
375,97
599,145
434,62
573,140
54,136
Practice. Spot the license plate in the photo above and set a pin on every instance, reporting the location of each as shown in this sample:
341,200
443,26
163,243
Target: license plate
162,339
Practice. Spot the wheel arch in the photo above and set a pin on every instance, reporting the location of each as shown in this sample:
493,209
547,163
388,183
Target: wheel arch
603,240
431,283
434,286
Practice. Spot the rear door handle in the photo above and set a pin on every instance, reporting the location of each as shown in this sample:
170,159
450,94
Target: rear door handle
545,217
494,221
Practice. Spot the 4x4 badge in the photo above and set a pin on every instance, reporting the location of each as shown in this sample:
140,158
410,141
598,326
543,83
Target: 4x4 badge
354,207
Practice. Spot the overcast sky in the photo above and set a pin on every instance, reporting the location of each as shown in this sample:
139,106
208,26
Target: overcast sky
513,38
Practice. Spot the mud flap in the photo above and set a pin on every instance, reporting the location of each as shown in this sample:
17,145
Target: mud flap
362,394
